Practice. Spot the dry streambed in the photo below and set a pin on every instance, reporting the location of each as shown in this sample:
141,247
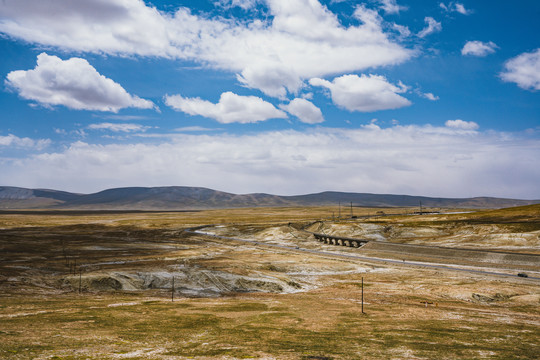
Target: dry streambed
110,259
188,281
107,258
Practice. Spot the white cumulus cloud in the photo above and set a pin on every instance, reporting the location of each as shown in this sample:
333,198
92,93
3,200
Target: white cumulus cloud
285,43
100,26
478,48
73,83
432,26
461,124
231,108
274,81
524,70
304,110
364,93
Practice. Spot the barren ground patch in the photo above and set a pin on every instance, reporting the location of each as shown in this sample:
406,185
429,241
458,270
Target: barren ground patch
246,300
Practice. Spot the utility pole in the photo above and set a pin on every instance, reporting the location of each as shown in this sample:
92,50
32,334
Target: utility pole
351,209
362,294
420,207
172,290
339,210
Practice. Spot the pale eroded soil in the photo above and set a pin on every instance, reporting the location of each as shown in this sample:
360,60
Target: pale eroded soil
246,300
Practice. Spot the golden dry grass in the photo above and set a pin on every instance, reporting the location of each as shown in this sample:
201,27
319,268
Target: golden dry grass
410,313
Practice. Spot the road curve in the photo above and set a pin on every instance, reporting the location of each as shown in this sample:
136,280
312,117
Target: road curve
197,231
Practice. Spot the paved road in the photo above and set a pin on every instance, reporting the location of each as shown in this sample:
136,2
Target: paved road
358,257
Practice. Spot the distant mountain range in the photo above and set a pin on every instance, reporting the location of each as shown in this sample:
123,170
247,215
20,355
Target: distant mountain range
194,198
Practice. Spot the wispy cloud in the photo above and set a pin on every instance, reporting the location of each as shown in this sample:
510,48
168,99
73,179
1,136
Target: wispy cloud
429,96
462,125
455,7
454,160
195,129
118,127
391,6
12,141
244,4
123,117
478,48
432,27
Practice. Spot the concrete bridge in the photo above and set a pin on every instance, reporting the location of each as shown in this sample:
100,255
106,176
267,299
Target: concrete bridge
340,240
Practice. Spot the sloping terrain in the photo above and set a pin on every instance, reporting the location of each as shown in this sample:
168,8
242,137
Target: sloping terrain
389,200
77,285
503,230
21,198
182,198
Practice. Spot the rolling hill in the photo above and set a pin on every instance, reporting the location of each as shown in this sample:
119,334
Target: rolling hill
193,198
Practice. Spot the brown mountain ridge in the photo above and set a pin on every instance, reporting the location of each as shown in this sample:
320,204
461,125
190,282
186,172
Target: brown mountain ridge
194,198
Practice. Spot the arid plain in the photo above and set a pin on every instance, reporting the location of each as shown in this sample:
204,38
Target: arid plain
254,284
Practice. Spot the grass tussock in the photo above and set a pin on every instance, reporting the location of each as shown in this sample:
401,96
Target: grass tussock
301,327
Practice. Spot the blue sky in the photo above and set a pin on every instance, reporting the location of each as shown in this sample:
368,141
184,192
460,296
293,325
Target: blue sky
286,97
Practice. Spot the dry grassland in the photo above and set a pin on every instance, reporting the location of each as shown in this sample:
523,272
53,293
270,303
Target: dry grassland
238,300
